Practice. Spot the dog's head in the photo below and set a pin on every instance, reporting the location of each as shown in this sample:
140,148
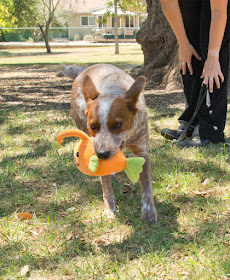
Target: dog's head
110,117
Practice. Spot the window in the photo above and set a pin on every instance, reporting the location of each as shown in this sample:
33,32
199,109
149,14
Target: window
129,21
87,21
102,21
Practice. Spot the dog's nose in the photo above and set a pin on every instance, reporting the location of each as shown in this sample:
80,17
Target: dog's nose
103,154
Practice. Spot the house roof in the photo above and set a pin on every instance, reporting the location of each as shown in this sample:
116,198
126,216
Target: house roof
87,6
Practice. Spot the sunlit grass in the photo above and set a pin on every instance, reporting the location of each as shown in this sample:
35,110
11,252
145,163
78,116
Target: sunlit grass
130,54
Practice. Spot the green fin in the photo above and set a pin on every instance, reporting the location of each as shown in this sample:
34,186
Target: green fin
134,168
93,163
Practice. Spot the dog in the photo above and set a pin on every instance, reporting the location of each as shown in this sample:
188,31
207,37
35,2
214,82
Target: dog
108,104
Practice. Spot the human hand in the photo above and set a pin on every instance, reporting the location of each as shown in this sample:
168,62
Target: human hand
212,72
186,52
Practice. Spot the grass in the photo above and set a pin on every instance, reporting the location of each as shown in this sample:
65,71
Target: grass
68,237
130,54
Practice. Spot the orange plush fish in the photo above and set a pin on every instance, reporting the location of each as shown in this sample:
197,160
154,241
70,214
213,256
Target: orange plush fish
88,163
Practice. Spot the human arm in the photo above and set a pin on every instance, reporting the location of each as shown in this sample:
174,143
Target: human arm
212,70
172,12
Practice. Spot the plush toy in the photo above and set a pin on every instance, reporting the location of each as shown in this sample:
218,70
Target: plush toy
88,163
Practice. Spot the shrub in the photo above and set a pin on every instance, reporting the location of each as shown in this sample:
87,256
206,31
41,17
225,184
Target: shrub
88,38
77,37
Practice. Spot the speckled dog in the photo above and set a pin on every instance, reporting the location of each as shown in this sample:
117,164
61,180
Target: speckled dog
108,104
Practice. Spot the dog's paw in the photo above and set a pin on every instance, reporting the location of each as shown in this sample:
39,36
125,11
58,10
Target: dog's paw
148,212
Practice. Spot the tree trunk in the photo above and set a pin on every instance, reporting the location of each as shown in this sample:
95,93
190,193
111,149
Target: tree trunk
160,49
2,36
45,35
116,28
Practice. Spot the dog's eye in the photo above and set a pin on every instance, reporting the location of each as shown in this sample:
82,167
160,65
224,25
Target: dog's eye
92,126
117,125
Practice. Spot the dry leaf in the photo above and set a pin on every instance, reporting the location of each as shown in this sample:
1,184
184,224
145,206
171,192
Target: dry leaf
203,193
206,182
24,270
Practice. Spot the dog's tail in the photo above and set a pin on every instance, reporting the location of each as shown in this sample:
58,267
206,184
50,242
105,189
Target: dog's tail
70,71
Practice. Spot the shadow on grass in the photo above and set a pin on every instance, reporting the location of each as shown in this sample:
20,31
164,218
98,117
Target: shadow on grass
41,93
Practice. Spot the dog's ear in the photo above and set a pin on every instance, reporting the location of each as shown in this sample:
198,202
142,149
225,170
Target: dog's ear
89,90
132,94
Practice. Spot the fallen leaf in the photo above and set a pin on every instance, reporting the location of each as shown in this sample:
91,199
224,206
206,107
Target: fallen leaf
203,193
71,209
206,182
24,270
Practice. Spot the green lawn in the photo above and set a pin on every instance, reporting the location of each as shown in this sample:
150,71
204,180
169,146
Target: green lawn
130,54
68,238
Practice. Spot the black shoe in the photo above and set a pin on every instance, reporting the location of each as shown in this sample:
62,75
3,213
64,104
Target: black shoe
171,134
194,142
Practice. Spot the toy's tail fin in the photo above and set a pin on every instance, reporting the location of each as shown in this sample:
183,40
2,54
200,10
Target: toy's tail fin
134,168
68,133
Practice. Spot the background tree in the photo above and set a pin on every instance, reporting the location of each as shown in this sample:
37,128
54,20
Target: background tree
25,11
159,47
116,28
51,12
29,13
138,6
6,16
45,18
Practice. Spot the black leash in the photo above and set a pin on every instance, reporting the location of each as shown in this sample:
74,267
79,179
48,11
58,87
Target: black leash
201,97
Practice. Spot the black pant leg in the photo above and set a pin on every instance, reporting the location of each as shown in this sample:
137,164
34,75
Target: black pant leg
212,120
190,11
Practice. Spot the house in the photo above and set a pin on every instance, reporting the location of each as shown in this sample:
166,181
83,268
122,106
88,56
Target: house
87,20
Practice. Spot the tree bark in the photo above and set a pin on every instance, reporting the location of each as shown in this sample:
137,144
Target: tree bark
160,49
116,28
2,36
45,35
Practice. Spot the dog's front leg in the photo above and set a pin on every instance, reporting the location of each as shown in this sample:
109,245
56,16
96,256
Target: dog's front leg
148,210
110,206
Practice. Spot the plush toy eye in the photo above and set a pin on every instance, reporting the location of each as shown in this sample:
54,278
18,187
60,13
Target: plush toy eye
117,125
77,154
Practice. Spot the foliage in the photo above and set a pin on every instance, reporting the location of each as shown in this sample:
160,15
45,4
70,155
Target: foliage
25,11
52,12
125,5
138,6
6,14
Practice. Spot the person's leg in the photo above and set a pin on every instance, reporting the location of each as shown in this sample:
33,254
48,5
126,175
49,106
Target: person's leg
212,119
190,11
